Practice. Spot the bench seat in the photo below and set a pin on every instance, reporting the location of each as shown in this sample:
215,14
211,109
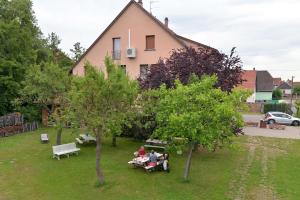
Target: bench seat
79,141
154,146
64,149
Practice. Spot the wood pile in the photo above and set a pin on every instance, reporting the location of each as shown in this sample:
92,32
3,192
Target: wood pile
12,124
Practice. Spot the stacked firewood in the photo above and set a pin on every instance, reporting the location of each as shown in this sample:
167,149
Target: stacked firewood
12,124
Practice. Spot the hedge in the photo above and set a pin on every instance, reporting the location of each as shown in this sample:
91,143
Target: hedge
281,107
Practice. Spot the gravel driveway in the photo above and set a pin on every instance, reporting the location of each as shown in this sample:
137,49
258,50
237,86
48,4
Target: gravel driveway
290,132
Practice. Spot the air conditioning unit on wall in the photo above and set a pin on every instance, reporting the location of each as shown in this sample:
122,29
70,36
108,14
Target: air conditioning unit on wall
131,53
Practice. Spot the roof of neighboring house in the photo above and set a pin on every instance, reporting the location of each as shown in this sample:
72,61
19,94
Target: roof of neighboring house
277,81
285,86
296,84
249,77
264,81
178,38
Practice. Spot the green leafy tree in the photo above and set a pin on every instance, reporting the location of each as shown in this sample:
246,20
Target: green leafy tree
200,113
296,90
46,85
101,102
297,105
77,51
57,55
277,94
20,39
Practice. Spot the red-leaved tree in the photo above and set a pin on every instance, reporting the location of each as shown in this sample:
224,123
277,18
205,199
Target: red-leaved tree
187,61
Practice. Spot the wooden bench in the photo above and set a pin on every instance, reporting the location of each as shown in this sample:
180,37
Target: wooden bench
44,137
64,149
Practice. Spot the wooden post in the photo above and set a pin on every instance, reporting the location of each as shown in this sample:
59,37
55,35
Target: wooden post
45,117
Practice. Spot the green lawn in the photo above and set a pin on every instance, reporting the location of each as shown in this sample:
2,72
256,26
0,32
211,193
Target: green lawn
257,168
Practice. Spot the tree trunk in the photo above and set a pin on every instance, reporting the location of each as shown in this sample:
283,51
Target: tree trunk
58,136
114,140
98,158
188,162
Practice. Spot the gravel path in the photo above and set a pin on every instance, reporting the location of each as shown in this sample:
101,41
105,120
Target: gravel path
289,133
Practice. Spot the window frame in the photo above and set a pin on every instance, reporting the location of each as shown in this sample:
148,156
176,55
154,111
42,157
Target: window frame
147,43
116,53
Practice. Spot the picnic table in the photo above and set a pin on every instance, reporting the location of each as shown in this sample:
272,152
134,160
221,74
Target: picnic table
85,138
142,160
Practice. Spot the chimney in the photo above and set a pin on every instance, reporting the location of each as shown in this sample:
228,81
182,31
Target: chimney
167,22
140,2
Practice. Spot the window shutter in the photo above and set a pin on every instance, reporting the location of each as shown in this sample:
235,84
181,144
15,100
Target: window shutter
150,42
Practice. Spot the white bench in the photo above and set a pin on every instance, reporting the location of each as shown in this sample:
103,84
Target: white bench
44,137
79,141
64,149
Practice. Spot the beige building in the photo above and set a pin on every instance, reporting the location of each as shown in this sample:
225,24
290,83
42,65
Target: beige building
135,39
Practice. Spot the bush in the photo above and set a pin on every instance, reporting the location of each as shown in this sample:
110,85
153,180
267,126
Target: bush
140,127
281,107
277,94
298,108
31,113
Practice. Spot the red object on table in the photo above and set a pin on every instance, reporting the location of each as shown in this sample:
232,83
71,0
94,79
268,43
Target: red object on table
141,152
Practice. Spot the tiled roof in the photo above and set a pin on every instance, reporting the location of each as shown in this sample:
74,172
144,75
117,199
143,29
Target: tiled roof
284,86
296,84
277,81
264,81
249,77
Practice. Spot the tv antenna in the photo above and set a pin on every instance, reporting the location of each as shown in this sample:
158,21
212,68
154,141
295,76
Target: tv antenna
151,5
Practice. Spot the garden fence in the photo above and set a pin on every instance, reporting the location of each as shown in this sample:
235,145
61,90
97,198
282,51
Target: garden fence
12,124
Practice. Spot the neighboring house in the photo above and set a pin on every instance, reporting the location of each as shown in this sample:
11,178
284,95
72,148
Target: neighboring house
249,83
286,89
264,86
276,82
135,40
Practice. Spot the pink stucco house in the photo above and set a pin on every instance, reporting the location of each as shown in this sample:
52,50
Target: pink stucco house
135,39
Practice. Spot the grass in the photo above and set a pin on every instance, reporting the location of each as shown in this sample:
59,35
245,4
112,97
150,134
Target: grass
260,168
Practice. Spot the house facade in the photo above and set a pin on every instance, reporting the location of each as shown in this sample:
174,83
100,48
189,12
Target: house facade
260,83
135,39
286,89
264,86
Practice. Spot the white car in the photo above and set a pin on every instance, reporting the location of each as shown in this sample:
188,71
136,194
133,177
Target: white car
281,118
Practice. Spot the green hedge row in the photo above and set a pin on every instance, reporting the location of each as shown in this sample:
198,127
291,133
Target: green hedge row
281,107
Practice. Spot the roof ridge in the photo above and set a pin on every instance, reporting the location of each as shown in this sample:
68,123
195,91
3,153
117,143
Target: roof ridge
168,30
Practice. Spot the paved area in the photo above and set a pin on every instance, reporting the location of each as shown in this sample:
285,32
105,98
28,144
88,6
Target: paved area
290,132
253,118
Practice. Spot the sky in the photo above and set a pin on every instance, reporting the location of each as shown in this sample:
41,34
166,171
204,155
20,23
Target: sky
265,32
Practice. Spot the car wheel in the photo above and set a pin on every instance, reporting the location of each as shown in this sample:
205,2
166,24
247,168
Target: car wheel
296,123
271,121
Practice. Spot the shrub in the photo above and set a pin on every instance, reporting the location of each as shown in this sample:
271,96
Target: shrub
277,94
31,113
